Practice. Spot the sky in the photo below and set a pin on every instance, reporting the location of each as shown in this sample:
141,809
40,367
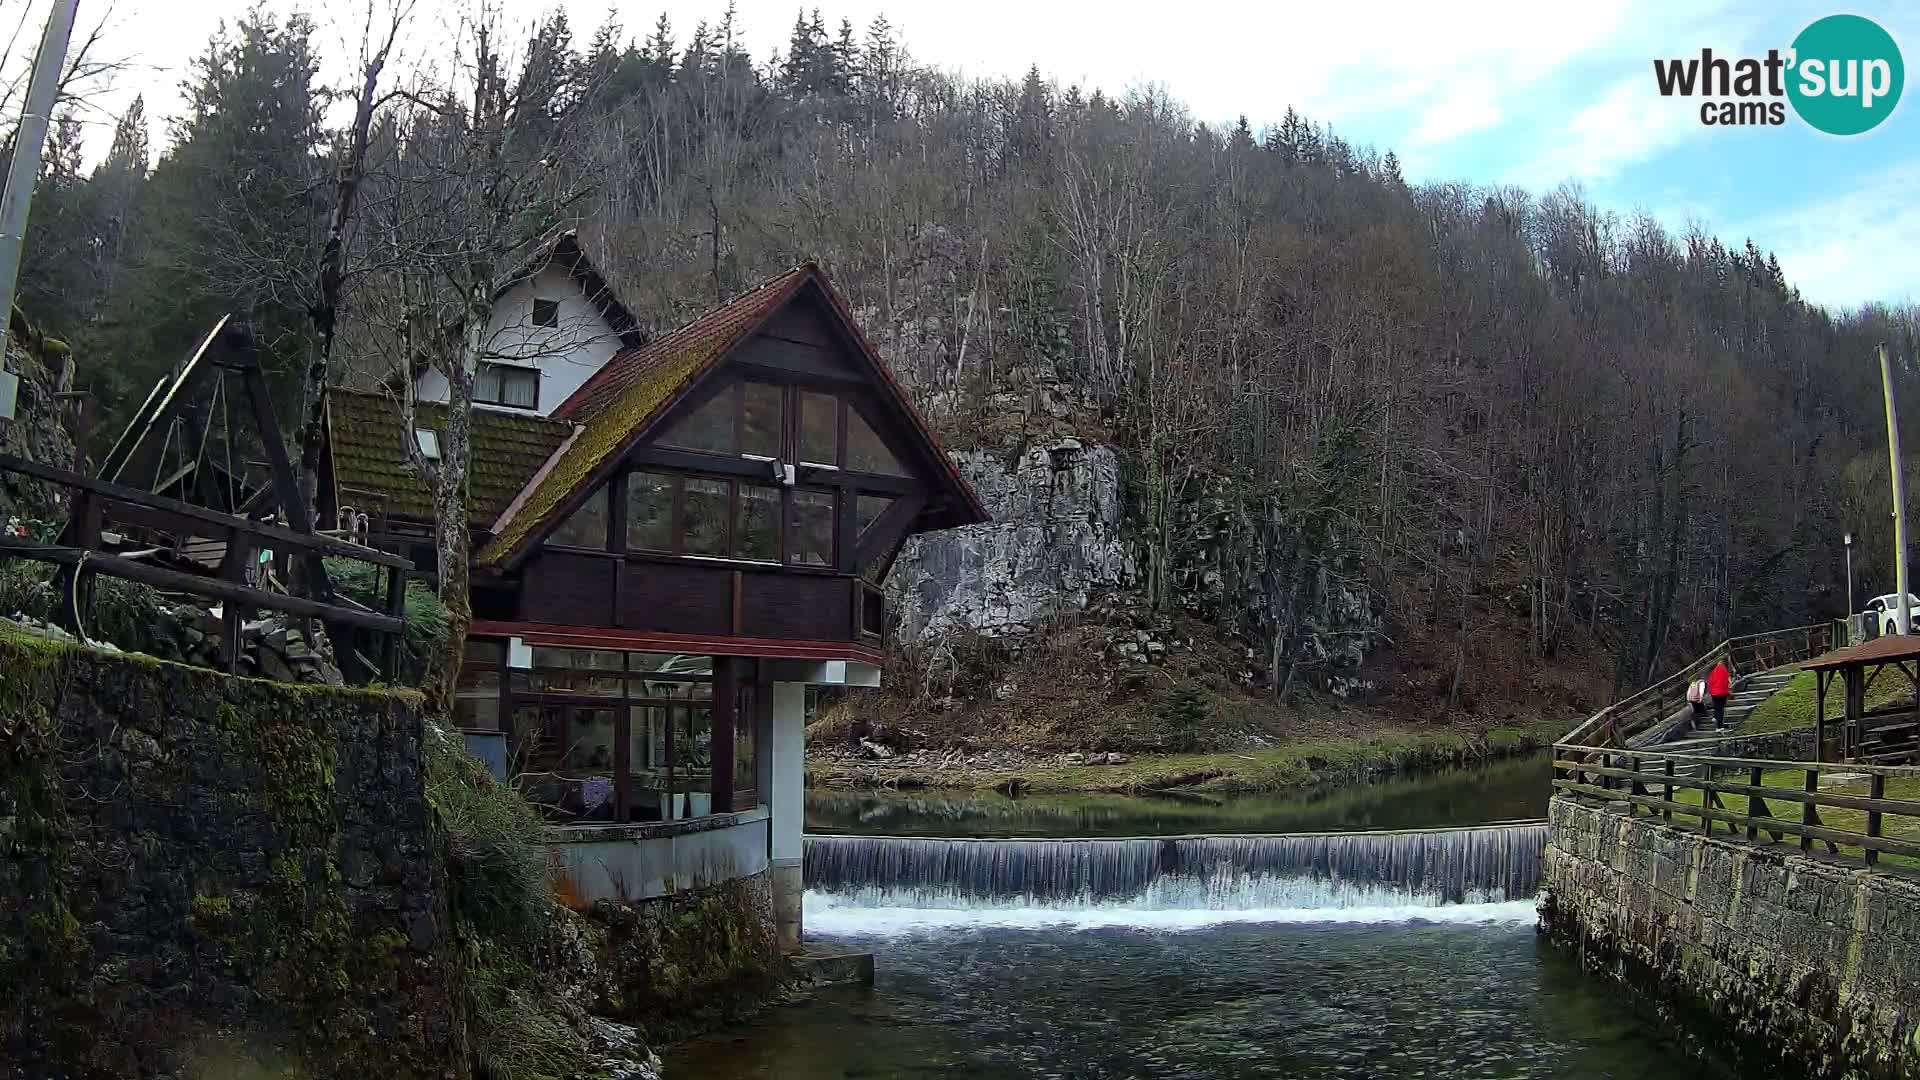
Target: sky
1512,92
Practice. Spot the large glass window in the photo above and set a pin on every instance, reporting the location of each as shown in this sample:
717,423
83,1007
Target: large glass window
585,527
865,451
650,511
705,517
757,530
761,428
476,701
600,735
709,428
819,428
813,517
867,510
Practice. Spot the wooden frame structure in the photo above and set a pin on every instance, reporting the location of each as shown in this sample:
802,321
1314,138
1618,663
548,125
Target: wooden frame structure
81,552
1886,735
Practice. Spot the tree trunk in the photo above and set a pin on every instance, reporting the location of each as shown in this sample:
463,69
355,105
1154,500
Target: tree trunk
453,540
333,267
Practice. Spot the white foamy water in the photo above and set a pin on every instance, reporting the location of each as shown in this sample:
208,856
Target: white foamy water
871,915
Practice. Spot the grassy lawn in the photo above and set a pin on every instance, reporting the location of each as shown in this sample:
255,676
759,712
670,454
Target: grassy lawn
1793,705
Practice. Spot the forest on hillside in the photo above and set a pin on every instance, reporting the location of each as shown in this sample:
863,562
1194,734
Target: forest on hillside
1495,411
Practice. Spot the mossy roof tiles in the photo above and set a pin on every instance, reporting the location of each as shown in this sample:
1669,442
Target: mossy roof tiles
372,472
621,400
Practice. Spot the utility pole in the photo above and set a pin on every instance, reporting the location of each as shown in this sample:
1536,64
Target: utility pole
1904,615
28,141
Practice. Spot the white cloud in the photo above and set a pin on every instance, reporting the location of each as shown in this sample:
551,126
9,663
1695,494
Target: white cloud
1628,123
1855,246
1471,105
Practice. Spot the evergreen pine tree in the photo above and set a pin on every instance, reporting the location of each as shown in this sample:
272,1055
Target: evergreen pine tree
1390,170
659,52
1241,140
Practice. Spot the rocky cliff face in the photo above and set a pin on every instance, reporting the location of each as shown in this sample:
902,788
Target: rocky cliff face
1062,547
1054,545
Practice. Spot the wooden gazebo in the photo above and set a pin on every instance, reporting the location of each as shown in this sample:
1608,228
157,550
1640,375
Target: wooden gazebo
1888,734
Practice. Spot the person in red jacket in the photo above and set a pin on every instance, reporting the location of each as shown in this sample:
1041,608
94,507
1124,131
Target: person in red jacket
1719,685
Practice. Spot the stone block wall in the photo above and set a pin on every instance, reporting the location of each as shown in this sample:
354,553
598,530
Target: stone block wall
197,869
1776,963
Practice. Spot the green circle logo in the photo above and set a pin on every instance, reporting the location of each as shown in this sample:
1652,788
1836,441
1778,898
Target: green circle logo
1847,75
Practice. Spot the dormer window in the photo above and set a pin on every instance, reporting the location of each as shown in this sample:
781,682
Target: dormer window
546,312
507,384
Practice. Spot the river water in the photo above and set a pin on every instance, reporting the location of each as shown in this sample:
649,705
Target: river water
1501,791
1209,957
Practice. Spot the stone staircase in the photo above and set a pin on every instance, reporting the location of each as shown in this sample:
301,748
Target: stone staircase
1747,695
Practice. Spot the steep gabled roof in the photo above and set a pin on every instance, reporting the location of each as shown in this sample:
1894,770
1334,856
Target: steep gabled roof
371,472
565,252
617,406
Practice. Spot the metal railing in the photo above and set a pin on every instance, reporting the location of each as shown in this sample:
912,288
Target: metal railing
1746,655
1751,797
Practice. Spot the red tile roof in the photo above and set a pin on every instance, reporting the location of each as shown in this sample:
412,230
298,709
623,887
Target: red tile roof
617,405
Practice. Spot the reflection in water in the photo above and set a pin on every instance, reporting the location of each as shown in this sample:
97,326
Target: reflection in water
1502,791
1475,996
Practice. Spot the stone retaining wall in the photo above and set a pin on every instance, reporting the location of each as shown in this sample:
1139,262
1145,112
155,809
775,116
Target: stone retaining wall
197,869
1777,963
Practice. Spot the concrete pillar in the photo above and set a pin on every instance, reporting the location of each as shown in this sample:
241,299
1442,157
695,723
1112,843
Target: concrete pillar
787,806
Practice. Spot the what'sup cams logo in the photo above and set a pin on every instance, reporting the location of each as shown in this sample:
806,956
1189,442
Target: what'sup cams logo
1843,75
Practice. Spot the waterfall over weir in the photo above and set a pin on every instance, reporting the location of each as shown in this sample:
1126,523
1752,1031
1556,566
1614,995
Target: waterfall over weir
1295,872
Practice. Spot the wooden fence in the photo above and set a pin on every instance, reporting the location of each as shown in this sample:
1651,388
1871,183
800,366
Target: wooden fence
1751,797
1747,655
98,502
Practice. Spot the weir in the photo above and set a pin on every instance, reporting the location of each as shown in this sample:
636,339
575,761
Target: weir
1277,871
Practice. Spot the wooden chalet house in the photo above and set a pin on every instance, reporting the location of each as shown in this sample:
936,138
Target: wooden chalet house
673,539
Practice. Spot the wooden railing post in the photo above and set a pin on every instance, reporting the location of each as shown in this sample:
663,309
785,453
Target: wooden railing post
1754,805
390,643
1666,812
1708,801
1808,815
1876,789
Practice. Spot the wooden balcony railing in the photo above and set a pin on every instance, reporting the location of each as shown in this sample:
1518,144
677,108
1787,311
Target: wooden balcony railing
1756,800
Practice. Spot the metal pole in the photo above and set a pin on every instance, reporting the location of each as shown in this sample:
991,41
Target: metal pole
1903,614
1849,578
28,141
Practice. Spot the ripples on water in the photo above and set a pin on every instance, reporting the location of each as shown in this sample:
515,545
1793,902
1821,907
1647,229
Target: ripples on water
1459,991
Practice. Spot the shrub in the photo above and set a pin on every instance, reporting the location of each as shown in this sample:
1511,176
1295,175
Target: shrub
1182,715
496,840
132,616
513,1028
426,634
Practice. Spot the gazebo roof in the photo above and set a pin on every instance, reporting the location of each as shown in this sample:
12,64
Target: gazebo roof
1892,649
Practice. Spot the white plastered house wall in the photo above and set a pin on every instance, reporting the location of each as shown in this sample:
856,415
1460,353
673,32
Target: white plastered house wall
566,354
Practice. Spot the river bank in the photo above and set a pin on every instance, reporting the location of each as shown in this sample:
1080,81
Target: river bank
1292,765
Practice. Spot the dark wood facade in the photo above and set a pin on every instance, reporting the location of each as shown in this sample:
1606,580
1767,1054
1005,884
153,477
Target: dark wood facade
700,530
730,497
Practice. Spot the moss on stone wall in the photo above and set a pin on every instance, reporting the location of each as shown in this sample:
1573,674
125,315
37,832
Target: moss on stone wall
189,859
683,964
